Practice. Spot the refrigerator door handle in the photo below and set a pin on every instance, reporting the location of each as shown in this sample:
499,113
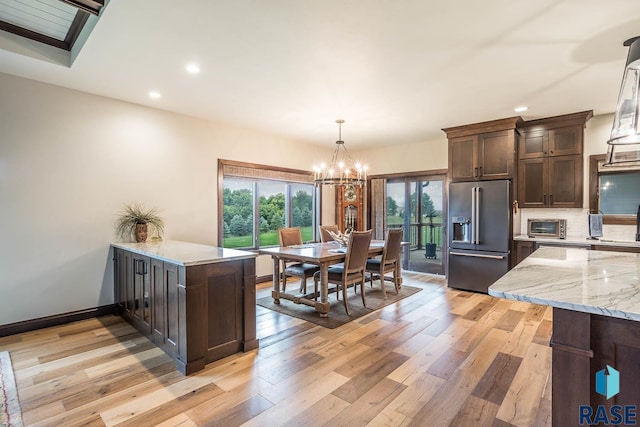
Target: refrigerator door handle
473,215
477,255
477,236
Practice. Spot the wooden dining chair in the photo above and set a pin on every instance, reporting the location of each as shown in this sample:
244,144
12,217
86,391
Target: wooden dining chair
324,235
352,271
389,261
302,270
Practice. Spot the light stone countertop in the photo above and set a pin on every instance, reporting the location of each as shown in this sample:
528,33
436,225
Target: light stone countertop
599,282
577,241
184,253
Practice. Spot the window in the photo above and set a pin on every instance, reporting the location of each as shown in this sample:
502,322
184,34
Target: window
257,200
614,191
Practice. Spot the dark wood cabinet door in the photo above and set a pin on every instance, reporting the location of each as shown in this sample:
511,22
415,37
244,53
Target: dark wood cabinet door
565,182
463,158
533,145
224,290
158,310
128,272
119,279
524,249
495,155
565,141
171,309
142,292
532,183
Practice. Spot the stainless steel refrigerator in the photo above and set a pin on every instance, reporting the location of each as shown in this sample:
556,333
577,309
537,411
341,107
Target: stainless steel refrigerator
479,233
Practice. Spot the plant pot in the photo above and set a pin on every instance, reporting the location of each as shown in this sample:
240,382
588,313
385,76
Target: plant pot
142,231
430,251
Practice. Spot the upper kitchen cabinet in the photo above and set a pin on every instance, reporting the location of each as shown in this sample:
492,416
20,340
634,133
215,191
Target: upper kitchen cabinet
550,162
483,151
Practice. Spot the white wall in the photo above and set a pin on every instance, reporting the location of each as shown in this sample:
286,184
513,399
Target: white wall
420,156
70,160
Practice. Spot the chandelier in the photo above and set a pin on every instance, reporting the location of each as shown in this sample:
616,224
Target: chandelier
624,144
342,170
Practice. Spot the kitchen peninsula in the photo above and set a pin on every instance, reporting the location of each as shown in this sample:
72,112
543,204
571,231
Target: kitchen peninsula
595,297
195,302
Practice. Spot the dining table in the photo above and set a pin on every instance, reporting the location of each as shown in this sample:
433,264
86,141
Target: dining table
322,254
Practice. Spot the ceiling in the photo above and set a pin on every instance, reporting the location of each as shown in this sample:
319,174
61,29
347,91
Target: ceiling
396,71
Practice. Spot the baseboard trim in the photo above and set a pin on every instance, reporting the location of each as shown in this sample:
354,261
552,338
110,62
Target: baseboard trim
55,320
262,279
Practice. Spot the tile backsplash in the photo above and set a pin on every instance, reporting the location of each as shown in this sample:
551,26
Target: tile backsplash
577,223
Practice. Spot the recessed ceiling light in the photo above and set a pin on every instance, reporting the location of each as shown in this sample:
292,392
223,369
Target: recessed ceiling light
154,94
521,109
192,68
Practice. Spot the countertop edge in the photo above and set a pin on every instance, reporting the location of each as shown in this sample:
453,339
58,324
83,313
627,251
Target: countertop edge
567,306
237,254
576,241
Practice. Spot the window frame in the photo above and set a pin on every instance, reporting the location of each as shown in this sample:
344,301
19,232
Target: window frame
256,172
594,195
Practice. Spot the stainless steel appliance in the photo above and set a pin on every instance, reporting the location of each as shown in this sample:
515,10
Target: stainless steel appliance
480,224
551,228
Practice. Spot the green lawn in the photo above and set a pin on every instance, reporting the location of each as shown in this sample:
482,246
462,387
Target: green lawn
266,239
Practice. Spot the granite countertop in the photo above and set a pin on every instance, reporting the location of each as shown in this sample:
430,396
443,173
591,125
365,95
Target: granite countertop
579,241
598,282
184,253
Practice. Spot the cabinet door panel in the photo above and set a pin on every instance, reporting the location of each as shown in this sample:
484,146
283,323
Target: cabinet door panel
463,158
129,274
565,141
158,310
119,277
170,290
524,249
495,155
532,179
565,182
142,293
533,145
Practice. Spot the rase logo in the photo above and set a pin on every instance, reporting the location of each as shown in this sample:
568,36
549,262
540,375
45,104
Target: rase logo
608,385
608,382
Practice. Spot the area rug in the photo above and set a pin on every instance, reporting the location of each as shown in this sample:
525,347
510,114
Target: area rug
337,315
10,415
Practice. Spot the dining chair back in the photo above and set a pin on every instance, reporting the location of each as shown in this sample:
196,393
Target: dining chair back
352,272
302,270
389,261
324,235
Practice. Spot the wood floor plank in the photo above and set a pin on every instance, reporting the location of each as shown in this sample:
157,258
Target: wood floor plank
498,378
369,404
475,412
369,377
522,400
302,400
510,320
241,413
439,357
318,414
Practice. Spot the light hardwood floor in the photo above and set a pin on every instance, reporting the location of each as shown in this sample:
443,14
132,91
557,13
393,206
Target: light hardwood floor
440,357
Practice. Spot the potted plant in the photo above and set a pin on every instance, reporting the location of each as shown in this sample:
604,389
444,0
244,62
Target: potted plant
135,221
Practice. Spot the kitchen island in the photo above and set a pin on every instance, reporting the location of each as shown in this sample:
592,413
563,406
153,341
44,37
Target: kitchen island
195,302
595,297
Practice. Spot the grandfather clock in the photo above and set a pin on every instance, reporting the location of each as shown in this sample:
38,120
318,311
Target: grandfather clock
349,207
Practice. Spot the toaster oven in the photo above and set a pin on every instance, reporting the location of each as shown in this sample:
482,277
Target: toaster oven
549,228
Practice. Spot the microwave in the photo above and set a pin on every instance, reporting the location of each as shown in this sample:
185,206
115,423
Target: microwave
549,228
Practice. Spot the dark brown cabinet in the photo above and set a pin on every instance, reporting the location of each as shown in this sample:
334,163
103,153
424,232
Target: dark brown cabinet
196,314
483,151
551,163
524,248
550,182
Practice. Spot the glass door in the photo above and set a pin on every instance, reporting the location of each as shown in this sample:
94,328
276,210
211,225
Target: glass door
416,203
